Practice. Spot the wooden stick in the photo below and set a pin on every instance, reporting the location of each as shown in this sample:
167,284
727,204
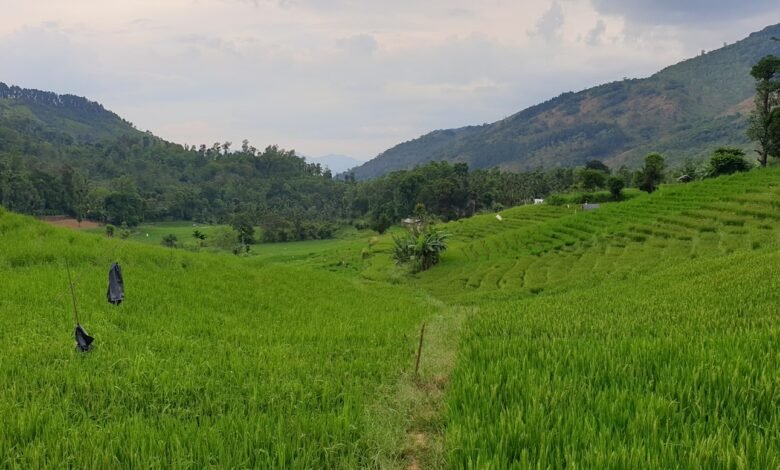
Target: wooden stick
419,350
72,293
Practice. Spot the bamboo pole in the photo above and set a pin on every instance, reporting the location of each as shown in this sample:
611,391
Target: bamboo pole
419,350
72,293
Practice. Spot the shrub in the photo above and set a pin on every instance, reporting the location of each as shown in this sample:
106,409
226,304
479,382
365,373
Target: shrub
420,251
616,186
169,240
224,238
726,161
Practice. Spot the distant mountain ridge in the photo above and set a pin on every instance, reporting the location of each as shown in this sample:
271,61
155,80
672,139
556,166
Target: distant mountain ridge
683,111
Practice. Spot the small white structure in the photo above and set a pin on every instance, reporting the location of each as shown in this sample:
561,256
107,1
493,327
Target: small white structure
499,218
590,207
410,223
538,202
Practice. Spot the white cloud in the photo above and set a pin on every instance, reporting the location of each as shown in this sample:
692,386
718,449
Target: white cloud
332,76
550,24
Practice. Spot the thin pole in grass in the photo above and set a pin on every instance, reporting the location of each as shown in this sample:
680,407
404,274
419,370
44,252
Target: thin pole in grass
72,293
419,350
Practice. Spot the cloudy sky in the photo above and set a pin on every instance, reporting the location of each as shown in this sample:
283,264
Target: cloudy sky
347,76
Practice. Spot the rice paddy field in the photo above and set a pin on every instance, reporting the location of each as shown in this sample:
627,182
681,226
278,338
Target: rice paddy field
642,334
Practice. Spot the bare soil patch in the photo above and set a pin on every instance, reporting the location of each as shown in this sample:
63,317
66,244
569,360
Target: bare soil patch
69,222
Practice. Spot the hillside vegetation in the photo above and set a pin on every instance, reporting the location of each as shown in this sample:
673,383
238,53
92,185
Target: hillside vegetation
640,333
33,117
684,111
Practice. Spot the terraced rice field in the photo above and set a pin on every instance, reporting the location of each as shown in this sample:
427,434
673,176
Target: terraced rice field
543,248
642,334
209,362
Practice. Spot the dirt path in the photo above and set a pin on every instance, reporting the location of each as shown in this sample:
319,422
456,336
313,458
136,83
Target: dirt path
417,404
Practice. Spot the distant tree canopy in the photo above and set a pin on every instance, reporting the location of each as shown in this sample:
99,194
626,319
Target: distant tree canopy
597,165
765,118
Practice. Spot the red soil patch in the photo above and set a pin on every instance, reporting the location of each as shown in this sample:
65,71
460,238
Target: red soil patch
67,222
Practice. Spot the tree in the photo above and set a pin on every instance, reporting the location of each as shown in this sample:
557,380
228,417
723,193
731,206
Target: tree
199,236
380,221
764,120
243,224
591,180
652,174
616,185
727,160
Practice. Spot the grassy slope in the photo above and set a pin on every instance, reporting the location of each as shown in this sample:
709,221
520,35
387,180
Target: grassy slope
641,332
677,368
210,361
539,249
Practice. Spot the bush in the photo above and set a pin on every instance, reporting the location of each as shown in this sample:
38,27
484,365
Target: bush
169,240
224,238
726,161
380,223
420,250
616,186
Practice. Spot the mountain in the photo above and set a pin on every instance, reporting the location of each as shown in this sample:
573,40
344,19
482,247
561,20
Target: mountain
58,119
337,163
63,154
683,112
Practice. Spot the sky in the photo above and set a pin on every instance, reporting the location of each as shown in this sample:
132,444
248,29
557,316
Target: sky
352,77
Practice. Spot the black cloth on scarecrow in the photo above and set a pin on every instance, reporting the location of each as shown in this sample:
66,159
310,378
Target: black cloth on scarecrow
83,340
116,286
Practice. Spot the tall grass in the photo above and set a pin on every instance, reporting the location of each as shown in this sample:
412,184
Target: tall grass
210,362
678,368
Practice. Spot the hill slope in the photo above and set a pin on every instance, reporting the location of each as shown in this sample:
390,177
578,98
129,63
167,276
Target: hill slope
683,111
209,361
49,117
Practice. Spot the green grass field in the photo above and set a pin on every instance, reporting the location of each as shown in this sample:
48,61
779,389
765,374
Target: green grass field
208,362
643,334
152,234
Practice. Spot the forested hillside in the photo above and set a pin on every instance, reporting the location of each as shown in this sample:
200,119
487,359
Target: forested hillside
68,155
684,112
34,117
